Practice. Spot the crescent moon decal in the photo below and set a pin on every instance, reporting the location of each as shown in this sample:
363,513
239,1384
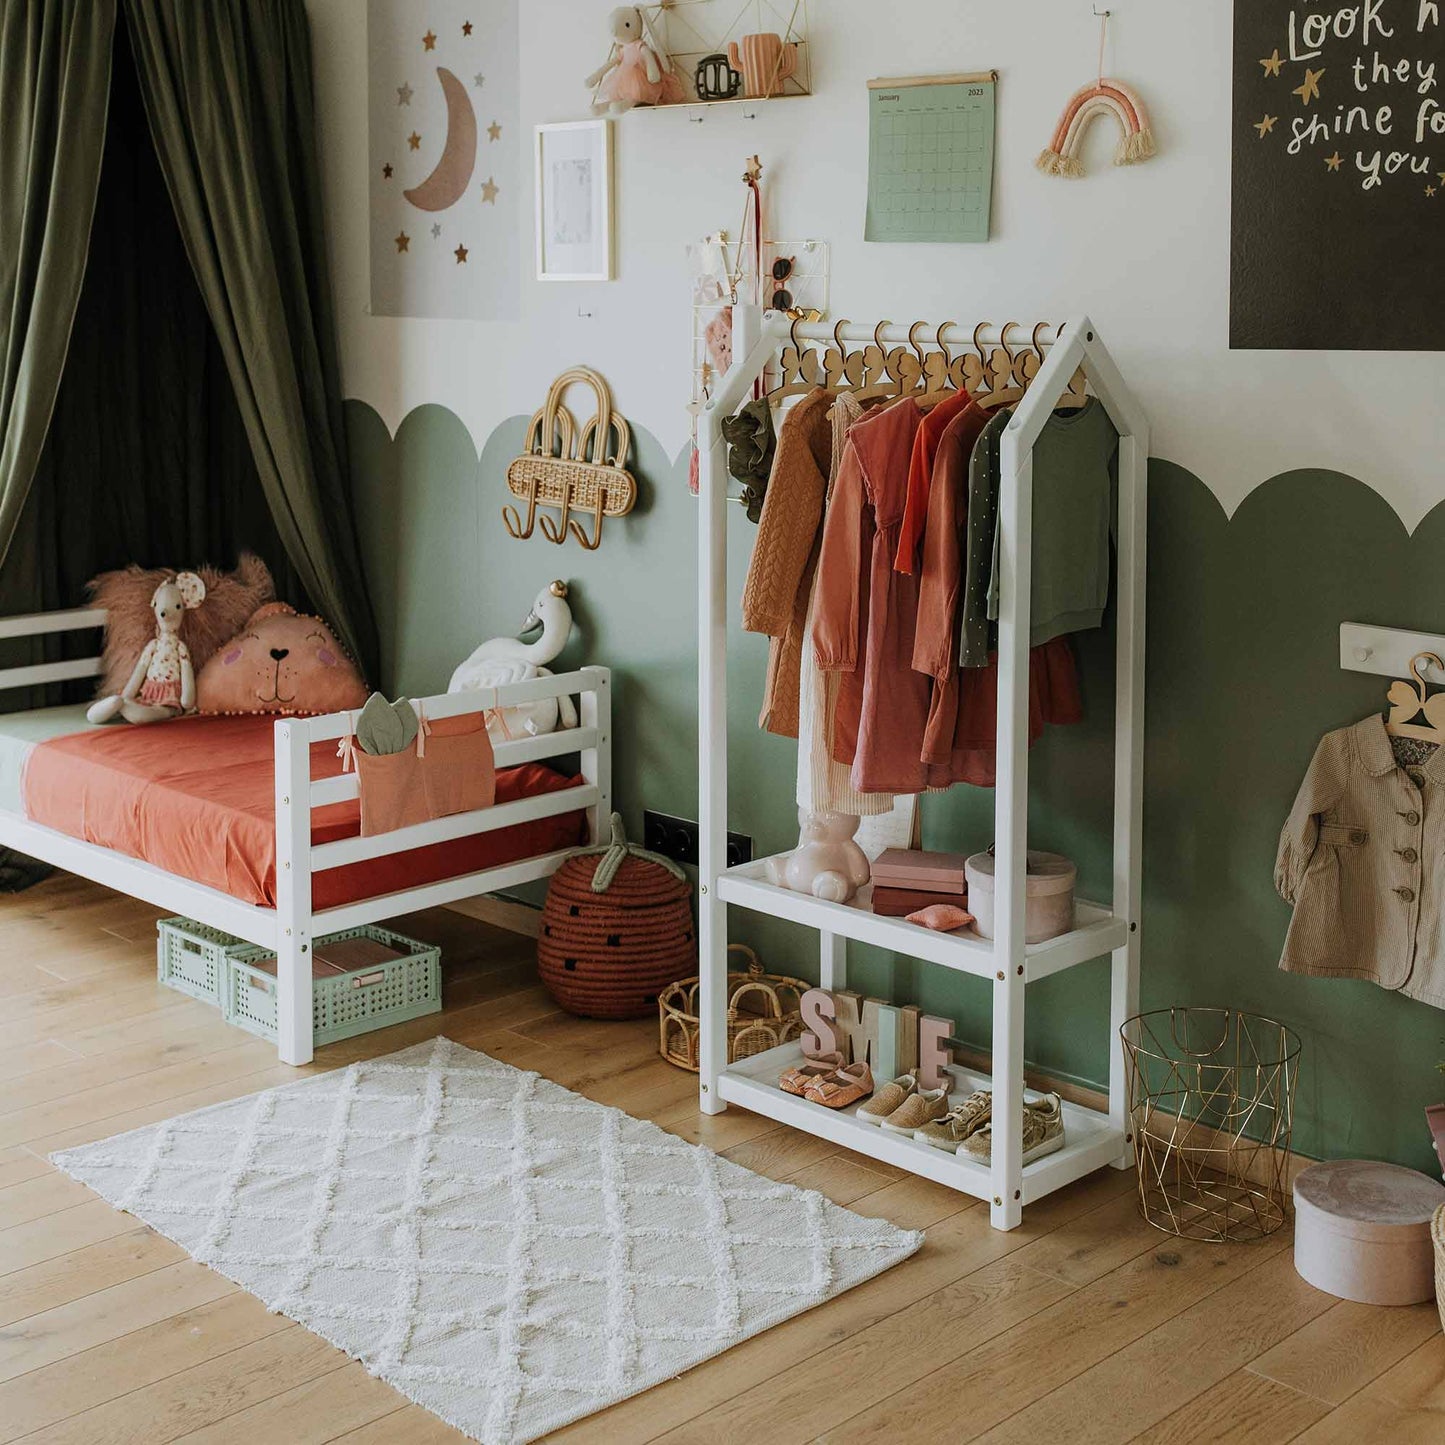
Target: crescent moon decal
453,173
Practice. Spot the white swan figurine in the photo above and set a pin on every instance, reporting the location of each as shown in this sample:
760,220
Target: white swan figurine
503,660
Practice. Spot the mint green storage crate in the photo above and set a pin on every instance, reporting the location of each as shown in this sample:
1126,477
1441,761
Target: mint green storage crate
192,958
342,1004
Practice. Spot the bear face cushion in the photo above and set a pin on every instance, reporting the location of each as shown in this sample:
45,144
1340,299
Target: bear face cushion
280,662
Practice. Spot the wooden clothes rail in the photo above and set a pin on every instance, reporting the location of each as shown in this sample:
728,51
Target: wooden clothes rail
1093,1139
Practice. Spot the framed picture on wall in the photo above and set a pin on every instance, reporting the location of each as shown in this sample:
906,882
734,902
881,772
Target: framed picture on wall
574,201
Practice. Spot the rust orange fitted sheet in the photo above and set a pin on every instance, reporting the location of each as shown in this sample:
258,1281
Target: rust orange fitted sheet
196,797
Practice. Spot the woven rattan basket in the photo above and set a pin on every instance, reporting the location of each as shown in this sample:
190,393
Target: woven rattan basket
571,471
763,1012
616,925
1437,1235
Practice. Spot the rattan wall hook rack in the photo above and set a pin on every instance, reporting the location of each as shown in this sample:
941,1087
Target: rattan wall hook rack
571,470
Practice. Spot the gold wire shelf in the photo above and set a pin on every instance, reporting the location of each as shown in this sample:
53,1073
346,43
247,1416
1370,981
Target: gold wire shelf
694,33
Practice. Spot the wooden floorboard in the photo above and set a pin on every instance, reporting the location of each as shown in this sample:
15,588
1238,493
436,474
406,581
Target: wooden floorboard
1084,1325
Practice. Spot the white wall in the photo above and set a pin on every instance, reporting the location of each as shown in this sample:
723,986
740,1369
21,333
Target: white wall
1144,250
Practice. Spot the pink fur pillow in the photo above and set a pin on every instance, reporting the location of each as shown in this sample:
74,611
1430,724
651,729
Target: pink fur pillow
231,597
280,662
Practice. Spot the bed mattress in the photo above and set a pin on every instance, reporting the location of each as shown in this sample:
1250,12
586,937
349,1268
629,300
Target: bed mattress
196,797
19,733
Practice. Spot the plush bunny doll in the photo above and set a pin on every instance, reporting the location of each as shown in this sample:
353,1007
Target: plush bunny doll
633,73
163,684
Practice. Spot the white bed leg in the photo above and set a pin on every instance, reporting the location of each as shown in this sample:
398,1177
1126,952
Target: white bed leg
293,894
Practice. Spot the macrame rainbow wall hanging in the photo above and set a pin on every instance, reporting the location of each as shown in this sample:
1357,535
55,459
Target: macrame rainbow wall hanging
1103,97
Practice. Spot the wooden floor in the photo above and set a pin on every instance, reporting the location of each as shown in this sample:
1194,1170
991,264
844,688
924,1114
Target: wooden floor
1083,1325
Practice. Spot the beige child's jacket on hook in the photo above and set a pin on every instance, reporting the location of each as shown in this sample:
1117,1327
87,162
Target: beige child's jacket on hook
1362,859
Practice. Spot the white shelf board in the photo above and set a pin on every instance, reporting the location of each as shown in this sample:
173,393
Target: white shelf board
1090,1142
1096,931
693,103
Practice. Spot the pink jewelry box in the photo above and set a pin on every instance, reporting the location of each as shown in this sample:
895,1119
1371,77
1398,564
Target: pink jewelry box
920,871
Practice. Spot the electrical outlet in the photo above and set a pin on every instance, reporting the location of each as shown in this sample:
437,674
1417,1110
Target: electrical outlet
676,838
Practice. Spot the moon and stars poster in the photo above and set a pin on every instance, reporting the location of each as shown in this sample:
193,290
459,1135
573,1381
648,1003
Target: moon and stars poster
1339,175
445,158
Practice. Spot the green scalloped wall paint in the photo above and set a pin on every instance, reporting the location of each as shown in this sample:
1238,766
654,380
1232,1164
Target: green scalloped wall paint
1243,677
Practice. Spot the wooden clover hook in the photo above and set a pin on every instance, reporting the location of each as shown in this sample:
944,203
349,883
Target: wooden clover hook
561,471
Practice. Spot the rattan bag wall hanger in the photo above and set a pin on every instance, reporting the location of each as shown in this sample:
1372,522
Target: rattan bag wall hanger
570,470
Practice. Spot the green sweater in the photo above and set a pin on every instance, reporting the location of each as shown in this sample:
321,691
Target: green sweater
1075,490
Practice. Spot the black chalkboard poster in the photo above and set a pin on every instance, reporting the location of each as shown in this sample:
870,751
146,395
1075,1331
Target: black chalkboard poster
1339,175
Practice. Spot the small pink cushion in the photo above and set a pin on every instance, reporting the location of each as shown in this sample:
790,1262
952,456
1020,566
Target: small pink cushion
941,917
280,662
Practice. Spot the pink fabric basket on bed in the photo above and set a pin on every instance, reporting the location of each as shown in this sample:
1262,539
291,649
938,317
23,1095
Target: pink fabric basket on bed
449,769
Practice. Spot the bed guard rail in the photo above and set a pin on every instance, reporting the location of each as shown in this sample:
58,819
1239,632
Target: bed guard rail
298,793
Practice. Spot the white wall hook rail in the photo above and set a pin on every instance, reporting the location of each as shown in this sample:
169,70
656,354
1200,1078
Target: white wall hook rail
1388,651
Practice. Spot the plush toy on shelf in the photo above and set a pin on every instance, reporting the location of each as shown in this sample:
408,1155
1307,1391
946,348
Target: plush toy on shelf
504,660
634,73
163,683
827,862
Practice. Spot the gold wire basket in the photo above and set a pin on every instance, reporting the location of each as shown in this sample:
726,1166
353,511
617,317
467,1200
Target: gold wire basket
764,1010
1211,1101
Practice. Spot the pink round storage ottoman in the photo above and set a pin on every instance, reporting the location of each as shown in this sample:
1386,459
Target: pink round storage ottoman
1362,1231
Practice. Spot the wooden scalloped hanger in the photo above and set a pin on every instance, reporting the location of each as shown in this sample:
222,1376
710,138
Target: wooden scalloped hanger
1407,702
804,363
996,396
932,384
888,386
1016,370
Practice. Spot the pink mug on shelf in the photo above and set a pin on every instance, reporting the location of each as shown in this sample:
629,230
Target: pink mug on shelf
764,61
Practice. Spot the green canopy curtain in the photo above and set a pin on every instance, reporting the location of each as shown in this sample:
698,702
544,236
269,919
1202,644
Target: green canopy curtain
227,89
54,81
147,459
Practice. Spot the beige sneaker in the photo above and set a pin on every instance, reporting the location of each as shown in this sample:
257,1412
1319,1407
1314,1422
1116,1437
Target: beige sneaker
887,1099
919,1108
958,1124
1043,1133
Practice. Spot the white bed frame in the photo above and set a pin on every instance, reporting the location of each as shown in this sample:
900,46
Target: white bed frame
290,927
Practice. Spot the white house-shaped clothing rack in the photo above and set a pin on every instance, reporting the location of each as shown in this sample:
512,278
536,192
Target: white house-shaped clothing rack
1093,1138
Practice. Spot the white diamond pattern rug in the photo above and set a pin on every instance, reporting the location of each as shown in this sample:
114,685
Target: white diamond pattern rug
504,1252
